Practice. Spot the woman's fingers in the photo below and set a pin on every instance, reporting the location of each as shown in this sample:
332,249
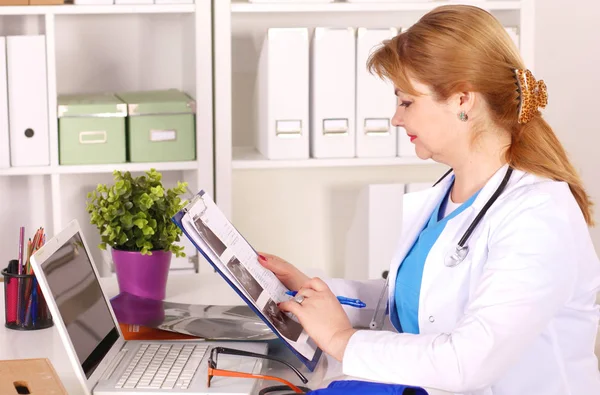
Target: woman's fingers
291,306
317,284
287,273
306,292
270,257
269,262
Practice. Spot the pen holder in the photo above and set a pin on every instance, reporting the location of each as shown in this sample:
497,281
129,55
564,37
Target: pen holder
24,305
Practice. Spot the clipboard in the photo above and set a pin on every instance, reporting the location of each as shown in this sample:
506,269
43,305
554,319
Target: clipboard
178,220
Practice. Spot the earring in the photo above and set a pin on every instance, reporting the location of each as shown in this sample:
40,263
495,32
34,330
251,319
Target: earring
463,116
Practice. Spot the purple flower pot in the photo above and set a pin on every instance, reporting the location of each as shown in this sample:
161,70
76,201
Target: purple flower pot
142,275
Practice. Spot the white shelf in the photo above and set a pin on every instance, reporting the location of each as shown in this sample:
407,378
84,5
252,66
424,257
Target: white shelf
244,7
132,167
25,171
98,9
248,158
99,169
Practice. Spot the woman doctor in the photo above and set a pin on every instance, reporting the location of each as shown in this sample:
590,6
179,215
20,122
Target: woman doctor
516,313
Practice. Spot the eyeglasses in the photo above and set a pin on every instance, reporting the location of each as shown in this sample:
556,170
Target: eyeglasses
213,371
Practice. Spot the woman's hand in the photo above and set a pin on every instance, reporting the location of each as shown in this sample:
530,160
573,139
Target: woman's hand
322,316
287,273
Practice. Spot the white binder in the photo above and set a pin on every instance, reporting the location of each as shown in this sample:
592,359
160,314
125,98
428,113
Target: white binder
133,2
27,100
333,93
375,100
405,147
4,140
173,1
282,94
93,2
376,228
394,1
289,1
513,32
418,186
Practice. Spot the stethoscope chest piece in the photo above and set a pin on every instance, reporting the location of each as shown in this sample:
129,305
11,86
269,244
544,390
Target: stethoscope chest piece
455,258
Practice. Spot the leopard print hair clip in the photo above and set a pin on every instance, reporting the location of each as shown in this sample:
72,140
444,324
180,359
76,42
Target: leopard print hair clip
532,95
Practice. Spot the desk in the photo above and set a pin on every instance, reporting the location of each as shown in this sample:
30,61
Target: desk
205,288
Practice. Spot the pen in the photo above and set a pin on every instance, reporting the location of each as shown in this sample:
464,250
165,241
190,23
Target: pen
342,299
20,301
34,303
21,241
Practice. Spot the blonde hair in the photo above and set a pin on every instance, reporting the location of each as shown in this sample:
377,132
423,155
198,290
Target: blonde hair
458,48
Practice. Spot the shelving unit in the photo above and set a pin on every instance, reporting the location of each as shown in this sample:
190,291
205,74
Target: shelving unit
98,9
245,7
283,206
209,50
109,48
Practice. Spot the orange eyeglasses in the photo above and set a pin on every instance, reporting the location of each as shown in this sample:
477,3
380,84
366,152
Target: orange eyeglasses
213,371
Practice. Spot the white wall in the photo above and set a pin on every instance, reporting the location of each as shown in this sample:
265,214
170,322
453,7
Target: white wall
567,57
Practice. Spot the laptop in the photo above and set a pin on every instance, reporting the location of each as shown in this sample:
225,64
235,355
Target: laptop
104,362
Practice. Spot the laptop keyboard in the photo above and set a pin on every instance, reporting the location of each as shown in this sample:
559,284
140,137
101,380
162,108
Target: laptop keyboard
163,366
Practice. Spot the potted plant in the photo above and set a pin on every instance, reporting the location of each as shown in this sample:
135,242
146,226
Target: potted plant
133,217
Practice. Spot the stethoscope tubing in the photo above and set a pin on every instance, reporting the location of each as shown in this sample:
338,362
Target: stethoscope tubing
463,240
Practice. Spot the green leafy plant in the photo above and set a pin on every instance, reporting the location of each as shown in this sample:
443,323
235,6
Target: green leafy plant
134,214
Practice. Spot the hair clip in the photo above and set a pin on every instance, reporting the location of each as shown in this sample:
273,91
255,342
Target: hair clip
532,95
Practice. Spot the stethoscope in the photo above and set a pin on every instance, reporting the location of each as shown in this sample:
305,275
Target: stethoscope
453,259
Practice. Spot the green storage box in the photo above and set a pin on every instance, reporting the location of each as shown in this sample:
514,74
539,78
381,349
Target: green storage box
160,126
91,129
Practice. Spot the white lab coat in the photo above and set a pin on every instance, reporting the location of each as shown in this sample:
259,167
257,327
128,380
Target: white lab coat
517,317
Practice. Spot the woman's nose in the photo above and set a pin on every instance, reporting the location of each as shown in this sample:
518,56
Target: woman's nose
397,119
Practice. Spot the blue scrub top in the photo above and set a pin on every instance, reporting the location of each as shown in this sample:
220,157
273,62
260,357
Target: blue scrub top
410,273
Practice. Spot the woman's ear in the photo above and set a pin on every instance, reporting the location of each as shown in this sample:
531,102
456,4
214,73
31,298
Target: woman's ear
463,102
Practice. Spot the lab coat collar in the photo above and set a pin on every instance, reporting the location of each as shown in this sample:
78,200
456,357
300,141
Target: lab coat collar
418,206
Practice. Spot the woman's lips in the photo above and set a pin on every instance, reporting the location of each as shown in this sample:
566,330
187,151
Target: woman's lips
412,137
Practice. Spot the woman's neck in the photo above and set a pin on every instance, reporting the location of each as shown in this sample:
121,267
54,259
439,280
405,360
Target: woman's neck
478,166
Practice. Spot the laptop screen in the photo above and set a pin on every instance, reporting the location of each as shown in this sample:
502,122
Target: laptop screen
81,304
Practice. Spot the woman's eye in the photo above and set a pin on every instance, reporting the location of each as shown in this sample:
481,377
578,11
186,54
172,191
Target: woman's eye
405,104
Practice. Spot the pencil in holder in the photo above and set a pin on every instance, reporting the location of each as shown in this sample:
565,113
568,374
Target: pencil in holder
24,305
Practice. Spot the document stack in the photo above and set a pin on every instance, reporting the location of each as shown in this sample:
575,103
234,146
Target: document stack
282,94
